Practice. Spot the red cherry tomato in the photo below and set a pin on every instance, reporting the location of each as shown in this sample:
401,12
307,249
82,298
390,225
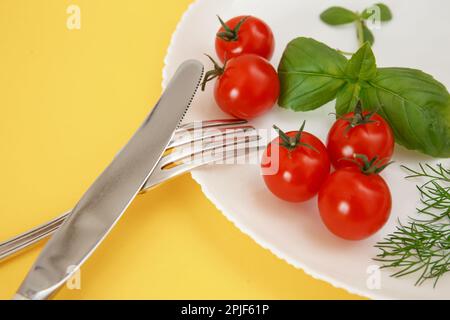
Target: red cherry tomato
244,34
247,86
354,205
372,137
294,171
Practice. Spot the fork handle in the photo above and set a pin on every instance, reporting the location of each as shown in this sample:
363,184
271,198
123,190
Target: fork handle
28,238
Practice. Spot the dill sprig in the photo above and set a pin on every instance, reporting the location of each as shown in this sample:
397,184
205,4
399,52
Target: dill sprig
422,245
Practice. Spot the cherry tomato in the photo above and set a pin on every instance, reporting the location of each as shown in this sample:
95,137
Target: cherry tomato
295,165
246,87
244,34
354,205
369,134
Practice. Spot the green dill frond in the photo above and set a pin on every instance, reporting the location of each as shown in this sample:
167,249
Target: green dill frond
422,246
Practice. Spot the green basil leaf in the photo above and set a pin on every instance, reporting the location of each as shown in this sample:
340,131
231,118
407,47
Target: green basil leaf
347,98
310,74
416,106
368,35
338,15
385,12
362,65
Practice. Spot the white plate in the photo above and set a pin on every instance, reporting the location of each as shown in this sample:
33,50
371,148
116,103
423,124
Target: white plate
416,37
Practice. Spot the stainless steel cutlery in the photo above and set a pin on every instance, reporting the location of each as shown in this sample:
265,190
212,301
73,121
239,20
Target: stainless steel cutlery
213,136
109,196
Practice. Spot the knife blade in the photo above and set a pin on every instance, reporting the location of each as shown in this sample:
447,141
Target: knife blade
108,197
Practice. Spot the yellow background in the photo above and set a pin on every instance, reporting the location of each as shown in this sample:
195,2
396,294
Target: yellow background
69,100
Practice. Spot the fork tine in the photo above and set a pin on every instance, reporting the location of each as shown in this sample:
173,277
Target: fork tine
229,139
213,157
183,134
204,134
176,168
211,123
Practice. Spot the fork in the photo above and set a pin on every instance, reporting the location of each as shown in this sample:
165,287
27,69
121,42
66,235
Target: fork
204,142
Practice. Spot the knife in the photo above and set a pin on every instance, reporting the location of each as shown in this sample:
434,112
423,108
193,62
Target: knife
105,201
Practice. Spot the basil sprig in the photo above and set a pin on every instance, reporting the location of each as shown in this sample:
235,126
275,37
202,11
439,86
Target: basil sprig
338,16
310,73
416,105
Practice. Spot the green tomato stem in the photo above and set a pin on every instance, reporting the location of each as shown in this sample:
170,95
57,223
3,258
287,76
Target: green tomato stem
345,53
360,31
